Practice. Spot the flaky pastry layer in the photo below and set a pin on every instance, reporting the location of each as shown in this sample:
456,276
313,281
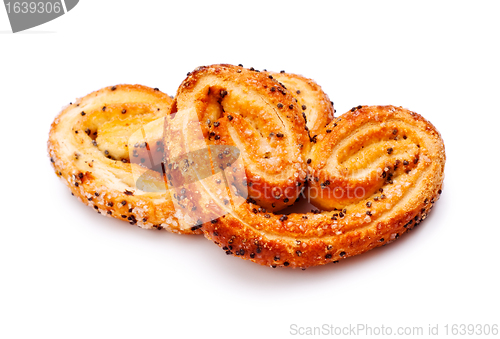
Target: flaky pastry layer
256,113
94,148
377,171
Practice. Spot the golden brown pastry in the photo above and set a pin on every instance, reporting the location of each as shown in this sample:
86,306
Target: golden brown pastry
233,149
105,147
377,171
257,114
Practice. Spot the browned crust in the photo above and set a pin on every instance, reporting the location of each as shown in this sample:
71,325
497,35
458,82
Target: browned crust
100,182
316,105
256,109
293,241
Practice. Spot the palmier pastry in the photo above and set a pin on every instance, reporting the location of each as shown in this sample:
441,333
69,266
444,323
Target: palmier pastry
236,149
376,173
104,147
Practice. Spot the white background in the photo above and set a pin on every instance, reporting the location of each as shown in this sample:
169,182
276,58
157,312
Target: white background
68,272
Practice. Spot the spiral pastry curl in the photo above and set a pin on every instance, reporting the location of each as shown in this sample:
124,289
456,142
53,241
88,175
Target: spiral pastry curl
101,144
257,114
376,172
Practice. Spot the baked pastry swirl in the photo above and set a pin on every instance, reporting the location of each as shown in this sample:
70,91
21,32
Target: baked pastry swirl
376,172
257,114
104,142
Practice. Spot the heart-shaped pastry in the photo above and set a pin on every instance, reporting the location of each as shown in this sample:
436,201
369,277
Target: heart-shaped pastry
235,147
